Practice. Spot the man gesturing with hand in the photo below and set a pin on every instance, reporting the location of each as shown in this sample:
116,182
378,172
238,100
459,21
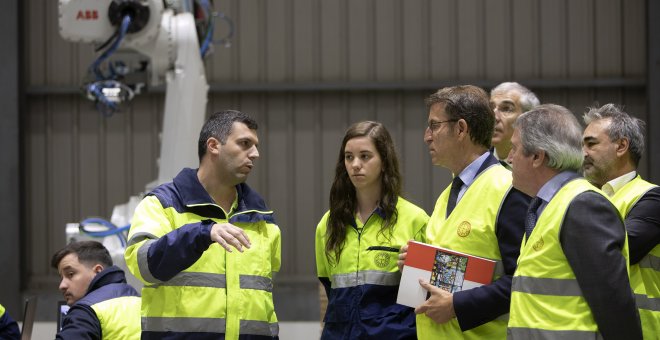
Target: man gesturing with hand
182,238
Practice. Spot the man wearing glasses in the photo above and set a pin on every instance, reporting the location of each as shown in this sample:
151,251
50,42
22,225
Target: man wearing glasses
479,214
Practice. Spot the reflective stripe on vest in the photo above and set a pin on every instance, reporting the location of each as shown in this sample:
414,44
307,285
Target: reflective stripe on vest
372,277
651,262
531,333
645,302
209,325
217,281
467,231
546,286
544,282
259,328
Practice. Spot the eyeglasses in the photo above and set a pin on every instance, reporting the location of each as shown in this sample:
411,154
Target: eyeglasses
433,126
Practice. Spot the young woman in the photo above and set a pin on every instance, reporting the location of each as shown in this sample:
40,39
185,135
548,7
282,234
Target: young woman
358,240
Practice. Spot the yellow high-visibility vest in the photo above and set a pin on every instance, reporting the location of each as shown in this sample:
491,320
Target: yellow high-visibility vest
546,300
644,275
470,228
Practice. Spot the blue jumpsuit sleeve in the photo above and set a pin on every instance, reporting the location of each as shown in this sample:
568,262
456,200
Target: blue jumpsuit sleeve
8,328
80,323
179,249
474,307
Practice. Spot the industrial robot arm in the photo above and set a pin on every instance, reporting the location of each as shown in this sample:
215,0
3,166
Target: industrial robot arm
173,44
166,33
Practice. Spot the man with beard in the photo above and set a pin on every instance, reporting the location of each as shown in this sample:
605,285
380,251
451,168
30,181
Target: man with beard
613,144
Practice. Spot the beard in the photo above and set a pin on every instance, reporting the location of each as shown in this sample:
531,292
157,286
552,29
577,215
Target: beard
593,173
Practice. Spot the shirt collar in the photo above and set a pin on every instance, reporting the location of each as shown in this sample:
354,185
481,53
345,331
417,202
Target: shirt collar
472,170
550,188
616,184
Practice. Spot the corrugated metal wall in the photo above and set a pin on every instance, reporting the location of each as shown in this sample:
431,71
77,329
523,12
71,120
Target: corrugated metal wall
351,60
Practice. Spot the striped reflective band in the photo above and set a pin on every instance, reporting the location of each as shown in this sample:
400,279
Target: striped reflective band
535,333
546,286
139,237
256,282
650,261
173,324
195,280
259,328
143,264
212,280
210,325
645,302
373,277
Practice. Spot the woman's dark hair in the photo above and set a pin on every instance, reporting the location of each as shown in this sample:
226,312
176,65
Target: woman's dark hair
343,200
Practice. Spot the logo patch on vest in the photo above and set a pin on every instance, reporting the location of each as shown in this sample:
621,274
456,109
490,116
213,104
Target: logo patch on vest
538,244
463,229
382,259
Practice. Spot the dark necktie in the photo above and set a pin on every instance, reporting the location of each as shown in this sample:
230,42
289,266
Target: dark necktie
530,219
456,185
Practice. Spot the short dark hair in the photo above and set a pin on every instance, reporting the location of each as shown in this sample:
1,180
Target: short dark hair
219,126
472,104
89,253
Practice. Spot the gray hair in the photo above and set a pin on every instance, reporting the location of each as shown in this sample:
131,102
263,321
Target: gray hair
621,126
528,99
555,130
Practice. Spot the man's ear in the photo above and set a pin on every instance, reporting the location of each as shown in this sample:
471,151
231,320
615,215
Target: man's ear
462,128
212,145
97,268
622,146
538,158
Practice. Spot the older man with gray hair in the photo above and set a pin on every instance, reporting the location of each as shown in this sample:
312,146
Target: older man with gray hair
508,100
613,144
572,280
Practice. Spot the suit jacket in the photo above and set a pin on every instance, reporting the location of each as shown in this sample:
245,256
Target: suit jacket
592,236
643,225
477,306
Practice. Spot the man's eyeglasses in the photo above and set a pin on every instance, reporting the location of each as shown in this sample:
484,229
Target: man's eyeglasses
433,126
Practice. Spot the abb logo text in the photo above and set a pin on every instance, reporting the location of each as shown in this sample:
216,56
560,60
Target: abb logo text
87,15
